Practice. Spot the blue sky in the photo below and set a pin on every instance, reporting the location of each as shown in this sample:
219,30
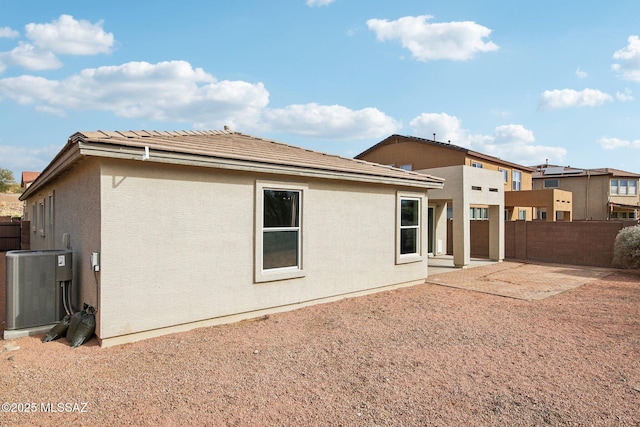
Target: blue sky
523,81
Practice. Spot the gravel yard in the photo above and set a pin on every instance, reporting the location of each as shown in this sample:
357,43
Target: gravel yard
424,355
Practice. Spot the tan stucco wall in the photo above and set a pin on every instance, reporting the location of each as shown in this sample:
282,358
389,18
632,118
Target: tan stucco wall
77,213
426,156
178,246
590,195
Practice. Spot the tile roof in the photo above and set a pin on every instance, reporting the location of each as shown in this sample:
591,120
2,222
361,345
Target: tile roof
29,177
544,171
228,149
238,146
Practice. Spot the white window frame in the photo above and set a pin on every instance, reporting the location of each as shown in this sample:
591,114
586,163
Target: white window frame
516,184
284,273
476,165
623,187
420,228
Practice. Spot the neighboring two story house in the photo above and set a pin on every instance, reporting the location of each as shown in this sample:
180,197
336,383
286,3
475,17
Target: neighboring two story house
477,187
598,194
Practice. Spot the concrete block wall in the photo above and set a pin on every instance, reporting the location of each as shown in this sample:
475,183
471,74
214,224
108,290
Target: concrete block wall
577,243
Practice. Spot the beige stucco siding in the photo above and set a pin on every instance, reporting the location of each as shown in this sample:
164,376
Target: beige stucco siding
77,213
178,245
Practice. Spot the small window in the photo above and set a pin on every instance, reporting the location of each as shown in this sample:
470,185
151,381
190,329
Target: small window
551,183
505,175
33,218
476,165
476,188
50,216
614,187
408,167
633,186
622,188
522,214
516,177
278,232
409,229
41,217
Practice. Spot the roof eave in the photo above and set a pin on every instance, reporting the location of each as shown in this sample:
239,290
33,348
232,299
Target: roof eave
136,154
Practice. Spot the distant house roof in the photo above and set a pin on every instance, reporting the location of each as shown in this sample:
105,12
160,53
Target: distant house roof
554,171
28,178
394,139
225,150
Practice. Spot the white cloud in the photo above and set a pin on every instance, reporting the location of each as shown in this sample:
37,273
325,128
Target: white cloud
565,98
581,74
624,96
30,57
62,36
69,36
629,57
176,92
510,142
448,40
166,91
8,33
18,159
318,3
615,143
330,121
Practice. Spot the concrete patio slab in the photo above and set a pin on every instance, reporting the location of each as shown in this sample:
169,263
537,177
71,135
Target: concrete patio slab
517,279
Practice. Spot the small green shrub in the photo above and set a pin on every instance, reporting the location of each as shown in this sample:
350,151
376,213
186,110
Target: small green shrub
626,248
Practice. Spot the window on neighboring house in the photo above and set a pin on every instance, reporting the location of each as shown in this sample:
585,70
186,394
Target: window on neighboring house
409,229
279,225
406,167
479,213
505,174
516,178
476,165
551,183
623,187
522,214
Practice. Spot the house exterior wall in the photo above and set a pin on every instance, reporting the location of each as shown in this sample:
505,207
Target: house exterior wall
417,155
76,206
553,200
178,242
590,194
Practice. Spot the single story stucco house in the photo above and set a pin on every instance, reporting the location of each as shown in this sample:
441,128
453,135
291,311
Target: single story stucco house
176,230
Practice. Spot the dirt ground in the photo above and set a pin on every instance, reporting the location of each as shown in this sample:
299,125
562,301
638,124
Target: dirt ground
424,355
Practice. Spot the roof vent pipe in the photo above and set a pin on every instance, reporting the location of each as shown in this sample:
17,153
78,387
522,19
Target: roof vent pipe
145,156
